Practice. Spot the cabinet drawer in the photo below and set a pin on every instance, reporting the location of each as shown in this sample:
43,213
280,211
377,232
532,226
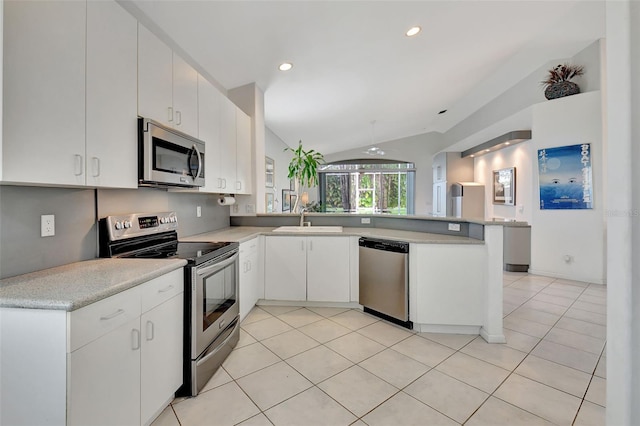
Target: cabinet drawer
161,289
97,319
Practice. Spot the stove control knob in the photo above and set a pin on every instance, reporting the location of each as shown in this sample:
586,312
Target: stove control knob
127,224
174,219
163,220
118,225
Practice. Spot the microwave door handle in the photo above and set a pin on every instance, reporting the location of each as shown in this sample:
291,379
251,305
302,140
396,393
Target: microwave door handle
195,148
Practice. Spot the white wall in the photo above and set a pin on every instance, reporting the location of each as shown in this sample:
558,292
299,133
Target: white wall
578,233
622,100
419,150
275,149
520,157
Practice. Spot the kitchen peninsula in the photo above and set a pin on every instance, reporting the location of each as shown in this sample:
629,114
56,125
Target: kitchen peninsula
455,277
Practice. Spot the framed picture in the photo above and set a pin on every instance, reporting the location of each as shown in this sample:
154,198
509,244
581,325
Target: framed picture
286,200
504,186
564,177
269,202
269,172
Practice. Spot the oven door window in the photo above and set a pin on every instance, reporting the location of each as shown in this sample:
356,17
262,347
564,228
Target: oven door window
219,293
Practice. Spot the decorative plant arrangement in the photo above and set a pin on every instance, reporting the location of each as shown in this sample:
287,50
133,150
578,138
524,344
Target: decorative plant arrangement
558,84
303,168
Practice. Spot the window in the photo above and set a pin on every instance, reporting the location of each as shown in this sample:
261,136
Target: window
367,187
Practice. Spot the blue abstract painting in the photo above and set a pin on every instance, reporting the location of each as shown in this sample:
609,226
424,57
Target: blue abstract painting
564,177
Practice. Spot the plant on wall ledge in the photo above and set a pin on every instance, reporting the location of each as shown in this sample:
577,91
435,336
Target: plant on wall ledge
303,168
558,84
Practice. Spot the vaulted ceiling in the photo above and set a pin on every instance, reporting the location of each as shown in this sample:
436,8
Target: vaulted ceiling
353,63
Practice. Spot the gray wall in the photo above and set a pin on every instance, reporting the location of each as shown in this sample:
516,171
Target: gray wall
22,250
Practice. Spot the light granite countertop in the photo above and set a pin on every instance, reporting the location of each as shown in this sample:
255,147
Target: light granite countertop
245,233
73,286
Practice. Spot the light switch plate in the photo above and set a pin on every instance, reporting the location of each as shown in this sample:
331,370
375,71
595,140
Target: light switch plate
454,227
365,220
198,211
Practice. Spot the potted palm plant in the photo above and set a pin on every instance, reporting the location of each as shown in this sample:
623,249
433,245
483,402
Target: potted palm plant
558,84
303,168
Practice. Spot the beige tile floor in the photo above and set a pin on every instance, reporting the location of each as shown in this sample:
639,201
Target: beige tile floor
330,366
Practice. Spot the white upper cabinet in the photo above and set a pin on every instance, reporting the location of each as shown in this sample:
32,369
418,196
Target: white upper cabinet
228,146
69,94
111,150
155,78
209,128
244,157
185,97
167,85
44,92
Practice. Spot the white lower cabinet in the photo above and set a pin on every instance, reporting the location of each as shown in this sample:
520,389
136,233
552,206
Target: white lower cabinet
119,359
160,356
312,268
104,379
250,284
136,367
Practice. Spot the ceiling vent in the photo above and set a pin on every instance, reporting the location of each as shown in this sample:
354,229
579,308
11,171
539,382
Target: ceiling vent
500,142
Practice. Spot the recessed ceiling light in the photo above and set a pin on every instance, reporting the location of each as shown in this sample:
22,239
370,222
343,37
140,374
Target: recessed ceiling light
506,143
472,156
413,31
285,66
487,150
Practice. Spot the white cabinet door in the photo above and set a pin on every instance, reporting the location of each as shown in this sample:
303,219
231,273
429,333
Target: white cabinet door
161,356
440,199
44,92
249,292
228,146
244,157
112,63
285,268
209,124
104,379
328,269
155,76
185,97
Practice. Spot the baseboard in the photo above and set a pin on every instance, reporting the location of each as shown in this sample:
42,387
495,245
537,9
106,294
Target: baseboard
492,338
308,304
446,329
586,280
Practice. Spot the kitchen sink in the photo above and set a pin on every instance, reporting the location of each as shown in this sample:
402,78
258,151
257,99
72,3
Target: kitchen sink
302,229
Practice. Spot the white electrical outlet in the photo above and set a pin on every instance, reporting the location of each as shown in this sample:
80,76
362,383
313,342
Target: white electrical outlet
365,220
454,227
198,211
47,225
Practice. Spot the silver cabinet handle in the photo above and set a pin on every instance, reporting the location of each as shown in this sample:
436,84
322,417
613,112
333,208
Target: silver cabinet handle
166,289
150,331
170,113
96,166
224,183
78,165
179,117
113,315
135,339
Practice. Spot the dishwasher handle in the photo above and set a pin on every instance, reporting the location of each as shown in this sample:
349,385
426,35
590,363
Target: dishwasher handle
385,245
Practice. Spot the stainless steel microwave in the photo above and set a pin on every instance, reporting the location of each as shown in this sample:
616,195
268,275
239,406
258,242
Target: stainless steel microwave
167,157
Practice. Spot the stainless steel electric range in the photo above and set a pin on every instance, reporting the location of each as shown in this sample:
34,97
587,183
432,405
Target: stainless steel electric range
211,311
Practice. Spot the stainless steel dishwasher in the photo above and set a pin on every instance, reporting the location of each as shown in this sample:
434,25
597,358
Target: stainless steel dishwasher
384,279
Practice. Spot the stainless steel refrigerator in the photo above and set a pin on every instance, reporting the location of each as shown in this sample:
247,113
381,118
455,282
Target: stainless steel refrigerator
467,200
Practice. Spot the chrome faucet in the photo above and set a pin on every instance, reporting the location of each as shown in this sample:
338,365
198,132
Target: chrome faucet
302,222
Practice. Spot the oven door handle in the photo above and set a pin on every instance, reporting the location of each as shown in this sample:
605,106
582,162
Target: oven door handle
217,266
214,347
